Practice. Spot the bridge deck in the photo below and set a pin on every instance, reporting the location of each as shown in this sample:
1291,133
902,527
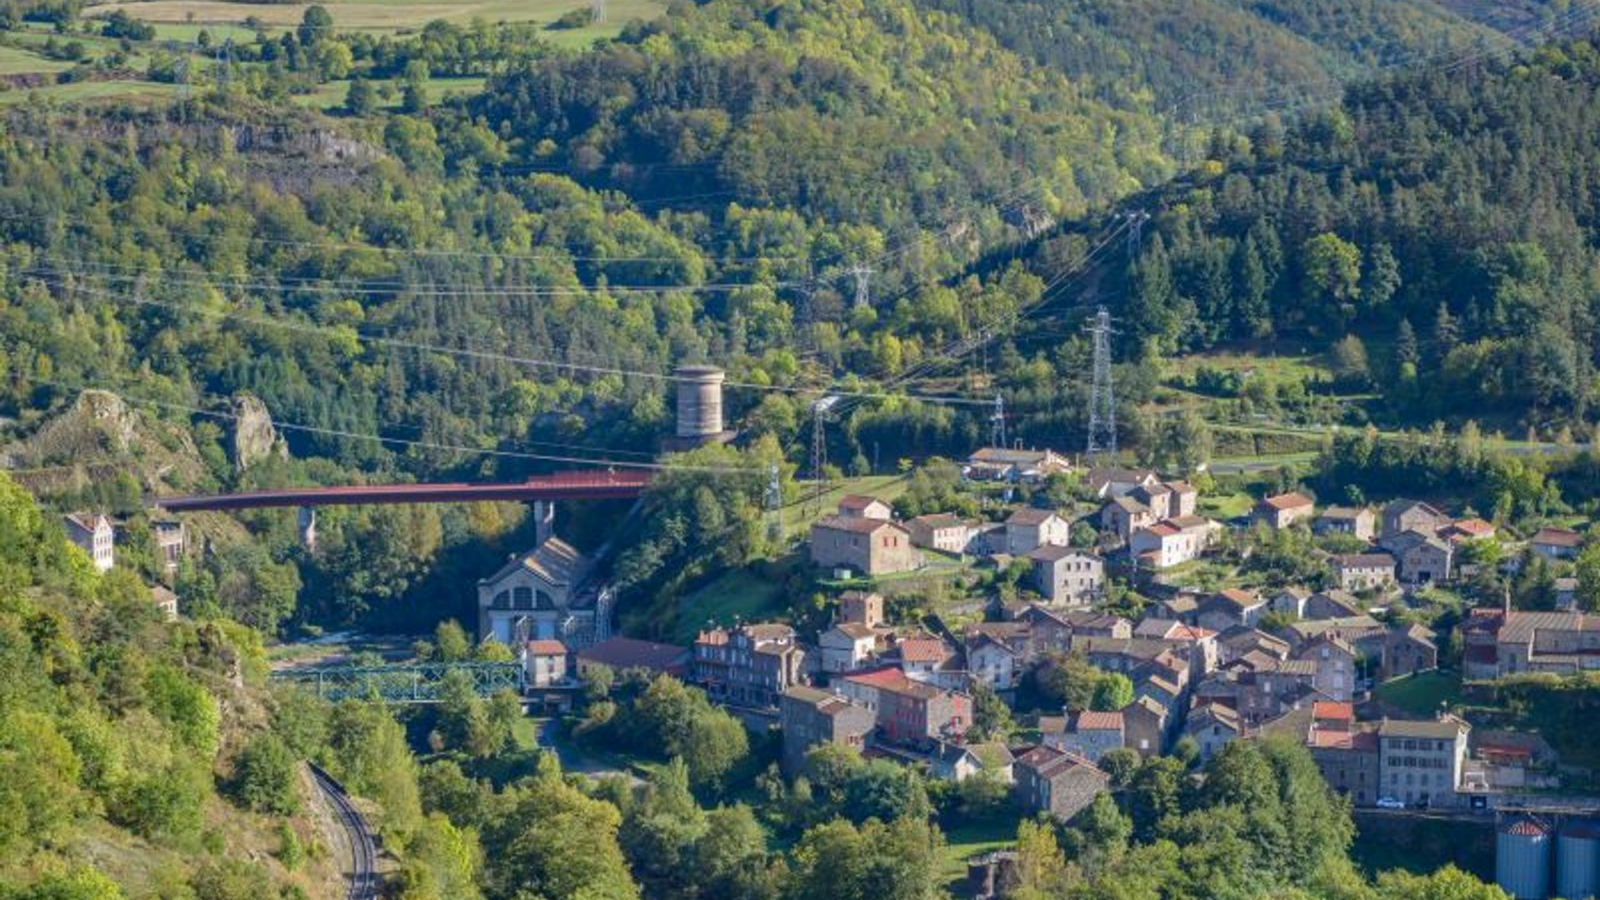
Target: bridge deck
560,486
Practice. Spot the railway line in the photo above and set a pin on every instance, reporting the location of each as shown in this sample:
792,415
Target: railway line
363,849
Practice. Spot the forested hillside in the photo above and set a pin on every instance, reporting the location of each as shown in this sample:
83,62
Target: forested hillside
1203,57
1444,220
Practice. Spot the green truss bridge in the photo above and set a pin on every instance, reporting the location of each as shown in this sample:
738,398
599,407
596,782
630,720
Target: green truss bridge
418,683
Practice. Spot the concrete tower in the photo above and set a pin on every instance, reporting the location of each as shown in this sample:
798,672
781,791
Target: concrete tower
699,406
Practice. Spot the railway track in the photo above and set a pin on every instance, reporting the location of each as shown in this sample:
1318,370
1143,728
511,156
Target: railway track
363,849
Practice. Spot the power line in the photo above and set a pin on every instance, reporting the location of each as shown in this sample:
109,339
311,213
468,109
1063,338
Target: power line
528,361
380,439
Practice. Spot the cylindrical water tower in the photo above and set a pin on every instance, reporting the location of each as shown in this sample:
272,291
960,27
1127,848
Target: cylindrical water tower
1522,859
699,405
1578,860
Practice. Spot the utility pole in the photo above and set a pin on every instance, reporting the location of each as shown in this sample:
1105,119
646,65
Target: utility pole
1102,398
819,452
863,277
997,423
1135,220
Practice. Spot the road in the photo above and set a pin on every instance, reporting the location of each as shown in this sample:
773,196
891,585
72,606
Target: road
363,850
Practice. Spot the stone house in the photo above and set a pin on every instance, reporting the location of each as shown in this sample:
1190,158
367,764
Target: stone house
943,532
1497,643
1408,650
1335,665
620,654
1065,576
1240,640
1106,482
920,656
1088,734
859,506
1005,464
958,762
1345,753
1463,530
171,544
869,546
1058,783
1556,543
1402,516
1230,607
1124,515
1332,604
748,665
1420,558
907,712
165,601
810,717
1213,726
992,661
1146,726
1028,528
861,607
93,534
1363,571
1283,510
1357,521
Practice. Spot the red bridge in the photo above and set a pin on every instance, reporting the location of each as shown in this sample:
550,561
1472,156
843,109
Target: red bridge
559,486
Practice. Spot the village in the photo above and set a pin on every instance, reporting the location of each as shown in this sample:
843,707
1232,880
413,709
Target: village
1193,670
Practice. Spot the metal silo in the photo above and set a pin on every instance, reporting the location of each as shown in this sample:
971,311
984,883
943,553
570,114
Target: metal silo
1578,861
1522,859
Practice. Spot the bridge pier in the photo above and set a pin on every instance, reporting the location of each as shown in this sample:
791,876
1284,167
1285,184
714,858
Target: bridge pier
544,521
308,528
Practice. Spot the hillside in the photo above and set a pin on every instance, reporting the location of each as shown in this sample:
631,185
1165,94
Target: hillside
133,751
1196,59
1431,241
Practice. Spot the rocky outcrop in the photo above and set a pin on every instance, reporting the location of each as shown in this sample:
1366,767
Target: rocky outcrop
254,436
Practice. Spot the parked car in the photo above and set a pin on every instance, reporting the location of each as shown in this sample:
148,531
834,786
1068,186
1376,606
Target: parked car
1390,803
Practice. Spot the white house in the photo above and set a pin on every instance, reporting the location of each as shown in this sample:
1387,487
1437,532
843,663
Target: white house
1173,542
93,533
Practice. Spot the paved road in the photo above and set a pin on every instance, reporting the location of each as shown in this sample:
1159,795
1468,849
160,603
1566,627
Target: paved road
363,850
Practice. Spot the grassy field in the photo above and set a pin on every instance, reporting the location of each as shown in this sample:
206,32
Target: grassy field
126,91
750,594
796,519
386,15
972,838
15,61
1421,694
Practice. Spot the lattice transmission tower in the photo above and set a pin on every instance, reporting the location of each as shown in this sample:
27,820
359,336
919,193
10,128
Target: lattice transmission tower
1102,396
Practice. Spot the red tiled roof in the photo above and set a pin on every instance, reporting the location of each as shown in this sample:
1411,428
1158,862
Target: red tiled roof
1341,712
1089,720
1474,527
858,526
547,648
924,650
857,501
1557,537
1291,500
627,653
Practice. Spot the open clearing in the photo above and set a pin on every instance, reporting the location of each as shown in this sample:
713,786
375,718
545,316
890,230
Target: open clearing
125,91
387,15
15,61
